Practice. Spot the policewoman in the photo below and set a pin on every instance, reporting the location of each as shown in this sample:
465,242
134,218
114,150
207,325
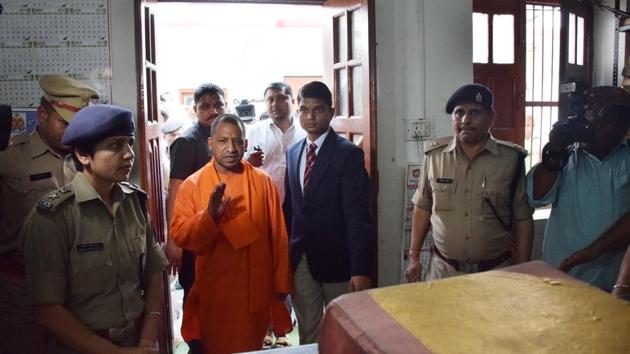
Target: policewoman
93,267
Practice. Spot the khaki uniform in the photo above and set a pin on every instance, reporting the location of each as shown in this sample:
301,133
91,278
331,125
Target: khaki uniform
452,189
29,169
77,254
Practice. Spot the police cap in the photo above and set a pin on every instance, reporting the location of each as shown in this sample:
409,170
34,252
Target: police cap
65,94
172,124
92,124
471,93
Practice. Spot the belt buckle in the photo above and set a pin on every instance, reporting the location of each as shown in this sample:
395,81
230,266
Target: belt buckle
468,267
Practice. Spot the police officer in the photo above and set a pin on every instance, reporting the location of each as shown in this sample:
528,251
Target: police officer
32,166
472,192
93,267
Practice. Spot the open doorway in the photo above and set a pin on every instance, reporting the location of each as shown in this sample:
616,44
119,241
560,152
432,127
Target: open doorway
241,48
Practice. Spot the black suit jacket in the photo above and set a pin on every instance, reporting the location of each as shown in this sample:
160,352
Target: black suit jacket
331,221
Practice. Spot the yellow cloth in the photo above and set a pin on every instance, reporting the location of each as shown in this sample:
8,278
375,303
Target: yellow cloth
504,312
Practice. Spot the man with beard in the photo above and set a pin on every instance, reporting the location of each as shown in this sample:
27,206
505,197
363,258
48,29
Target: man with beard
229,215
32,166
188,154
472,192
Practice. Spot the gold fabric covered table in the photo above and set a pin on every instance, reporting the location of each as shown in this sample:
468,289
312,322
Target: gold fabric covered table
529,308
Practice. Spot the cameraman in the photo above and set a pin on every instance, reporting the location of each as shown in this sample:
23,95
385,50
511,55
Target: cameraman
584,175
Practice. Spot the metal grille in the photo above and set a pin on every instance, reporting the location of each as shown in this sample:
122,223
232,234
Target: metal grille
542,76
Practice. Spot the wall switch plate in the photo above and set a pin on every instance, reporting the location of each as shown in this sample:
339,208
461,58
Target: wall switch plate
419,130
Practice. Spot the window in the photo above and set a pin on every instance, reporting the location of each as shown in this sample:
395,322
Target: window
501,28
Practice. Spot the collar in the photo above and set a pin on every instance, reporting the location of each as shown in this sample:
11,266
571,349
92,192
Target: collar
624,144
84,191
491,145
320,140
206,131
39,147
273,124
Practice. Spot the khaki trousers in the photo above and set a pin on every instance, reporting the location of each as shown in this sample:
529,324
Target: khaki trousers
309,300
439,269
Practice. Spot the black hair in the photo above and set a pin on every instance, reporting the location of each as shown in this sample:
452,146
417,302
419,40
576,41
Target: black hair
83,150
228,118
47,106
281,86
207,89
318,90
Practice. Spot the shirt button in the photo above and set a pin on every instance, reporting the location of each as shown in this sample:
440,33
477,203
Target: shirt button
466,190
467,238
466,214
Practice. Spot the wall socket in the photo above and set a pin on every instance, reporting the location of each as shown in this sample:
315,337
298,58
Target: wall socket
418,130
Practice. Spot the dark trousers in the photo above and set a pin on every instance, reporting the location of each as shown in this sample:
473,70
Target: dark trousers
187,272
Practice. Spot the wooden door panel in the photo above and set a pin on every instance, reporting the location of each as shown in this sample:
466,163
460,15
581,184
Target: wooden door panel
350,72
572,71
150,148
506,80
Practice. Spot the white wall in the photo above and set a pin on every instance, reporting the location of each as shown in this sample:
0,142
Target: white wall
123,56
423,53
603,43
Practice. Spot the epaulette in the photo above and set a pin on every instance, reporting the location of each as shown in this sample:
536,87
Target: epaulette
134,188
55,198
516,147
19,139
431,145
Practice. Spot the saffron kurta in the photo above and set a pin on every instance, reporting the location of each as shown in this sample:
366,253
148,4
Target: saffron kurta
242,260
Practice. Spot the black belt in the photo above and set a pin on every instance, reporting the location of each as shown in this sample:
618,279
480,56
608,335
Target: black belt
480,266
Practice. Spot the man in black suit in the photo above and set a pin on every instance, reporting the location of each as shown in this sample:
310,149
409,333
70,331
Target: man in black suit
327,209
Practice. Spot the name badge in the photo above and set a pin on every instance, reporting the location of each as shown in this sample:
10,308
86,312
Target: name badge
40,176
444,180
90,247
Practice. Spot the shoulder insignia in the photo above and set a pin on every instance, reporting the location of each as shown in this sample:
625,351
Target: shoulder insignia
133,187
55,198
431,145
19,139
516,147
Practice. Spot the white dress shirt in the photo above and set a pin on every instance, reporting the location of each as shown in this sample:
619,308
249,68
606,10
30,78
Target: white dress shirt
319,141
274,143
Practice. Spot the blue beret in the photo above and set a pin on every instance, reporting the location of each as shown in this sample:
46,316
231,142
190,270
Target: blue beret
471,93
95,123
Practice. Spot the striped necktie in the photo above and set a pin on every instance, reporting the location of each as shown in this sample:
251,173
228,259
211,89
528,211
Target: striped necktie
310,161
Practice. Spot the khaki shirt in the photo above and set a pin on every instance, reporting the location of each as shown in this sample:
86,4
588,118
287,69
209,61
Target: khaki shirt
452,188
29,170
77,254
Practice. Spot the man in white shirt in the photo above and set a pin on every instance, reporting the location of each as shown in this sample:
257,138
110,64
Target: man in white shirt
268,140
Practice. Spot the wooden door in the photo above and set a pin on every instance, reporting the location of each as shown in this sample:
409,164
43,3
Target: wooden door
150,146
576,47
499,62
350,72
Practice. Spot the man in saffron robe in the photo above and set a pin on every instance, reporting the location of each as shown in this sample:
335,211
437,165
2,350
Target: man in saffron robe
229,215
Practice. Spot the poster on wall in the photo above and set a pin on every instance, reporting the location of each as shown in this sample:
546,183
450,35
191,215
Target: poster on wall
69,37
23,120
411,184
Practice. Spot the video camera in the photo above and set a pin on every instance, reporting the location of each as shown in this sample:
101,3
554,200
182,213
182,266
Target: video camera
575,127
